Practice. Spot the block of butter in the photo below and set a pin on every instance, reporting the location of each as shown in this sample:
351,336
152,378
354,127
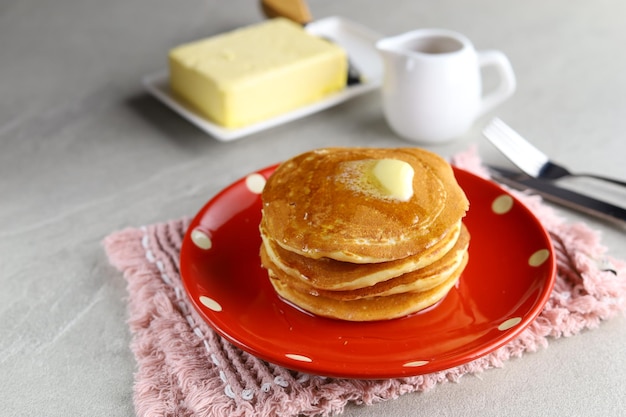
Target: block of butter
257,72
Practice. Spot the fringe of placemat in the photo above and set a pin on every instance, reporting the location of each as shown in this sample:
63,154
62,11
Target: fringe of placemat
186,369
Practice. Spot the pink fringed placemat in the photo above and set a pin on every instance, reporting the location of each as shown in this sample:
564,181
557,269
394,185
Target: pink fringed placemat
185,368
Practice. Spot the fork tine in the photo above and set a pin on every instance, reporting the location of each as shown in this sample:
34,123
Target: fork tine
523,154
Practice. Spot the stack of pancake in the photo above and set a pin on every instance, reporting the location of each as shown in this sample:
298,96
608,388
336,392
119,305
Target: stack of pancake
338,244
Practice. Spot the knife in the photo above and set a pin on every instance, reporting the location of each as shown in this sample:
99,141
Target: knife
567,198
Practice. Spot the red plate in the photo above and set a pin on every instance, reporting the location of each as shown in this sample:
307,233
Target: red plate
507,281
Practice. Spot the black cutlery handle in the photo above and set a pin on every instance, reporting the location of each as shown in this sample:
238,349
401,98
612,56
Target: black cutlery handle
603,178
567,198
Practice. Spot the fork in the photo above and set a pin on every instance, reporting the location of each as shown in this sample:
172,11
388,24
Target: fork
528,158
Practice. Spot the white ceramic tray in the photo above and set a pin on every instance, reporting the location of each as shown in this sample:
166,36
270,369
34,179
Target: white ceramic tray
357,40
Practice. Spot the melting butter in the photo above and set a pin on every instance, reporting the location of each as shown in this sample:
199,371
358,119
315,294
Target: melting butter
382,178
395,178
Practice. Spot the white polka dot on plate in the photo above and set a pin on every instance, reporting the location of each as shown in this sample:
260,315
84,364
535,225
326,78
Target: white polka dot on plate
510,323
201,239
297,357
539,257
502,204
255,183
210,303
415,364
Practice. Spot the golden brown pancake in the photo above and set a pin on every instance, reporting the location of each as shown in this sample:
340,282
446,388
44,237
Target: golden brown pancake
415,280
338,245
330,274
366,309
315,205
419,280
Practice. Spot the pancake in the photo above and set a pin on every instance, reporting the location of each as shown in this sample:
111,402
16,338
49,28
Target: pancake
419,280
366,309
363,234
330,274
318,206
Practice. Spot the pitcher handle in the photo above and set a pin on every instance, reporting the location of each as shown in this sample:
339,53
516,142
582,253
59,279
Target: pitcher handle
507,85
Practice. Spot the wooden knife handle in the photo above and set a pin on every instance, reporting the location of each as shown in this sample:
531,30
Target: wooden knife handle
296,10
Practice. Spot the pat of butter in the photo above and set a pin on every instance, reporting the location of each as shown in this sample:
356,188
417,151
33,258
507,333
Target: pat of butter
395,177
255,73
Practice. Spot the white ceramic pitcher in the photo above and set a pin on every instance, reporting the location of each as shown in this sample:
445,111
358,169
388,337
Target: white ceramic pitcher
432,90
